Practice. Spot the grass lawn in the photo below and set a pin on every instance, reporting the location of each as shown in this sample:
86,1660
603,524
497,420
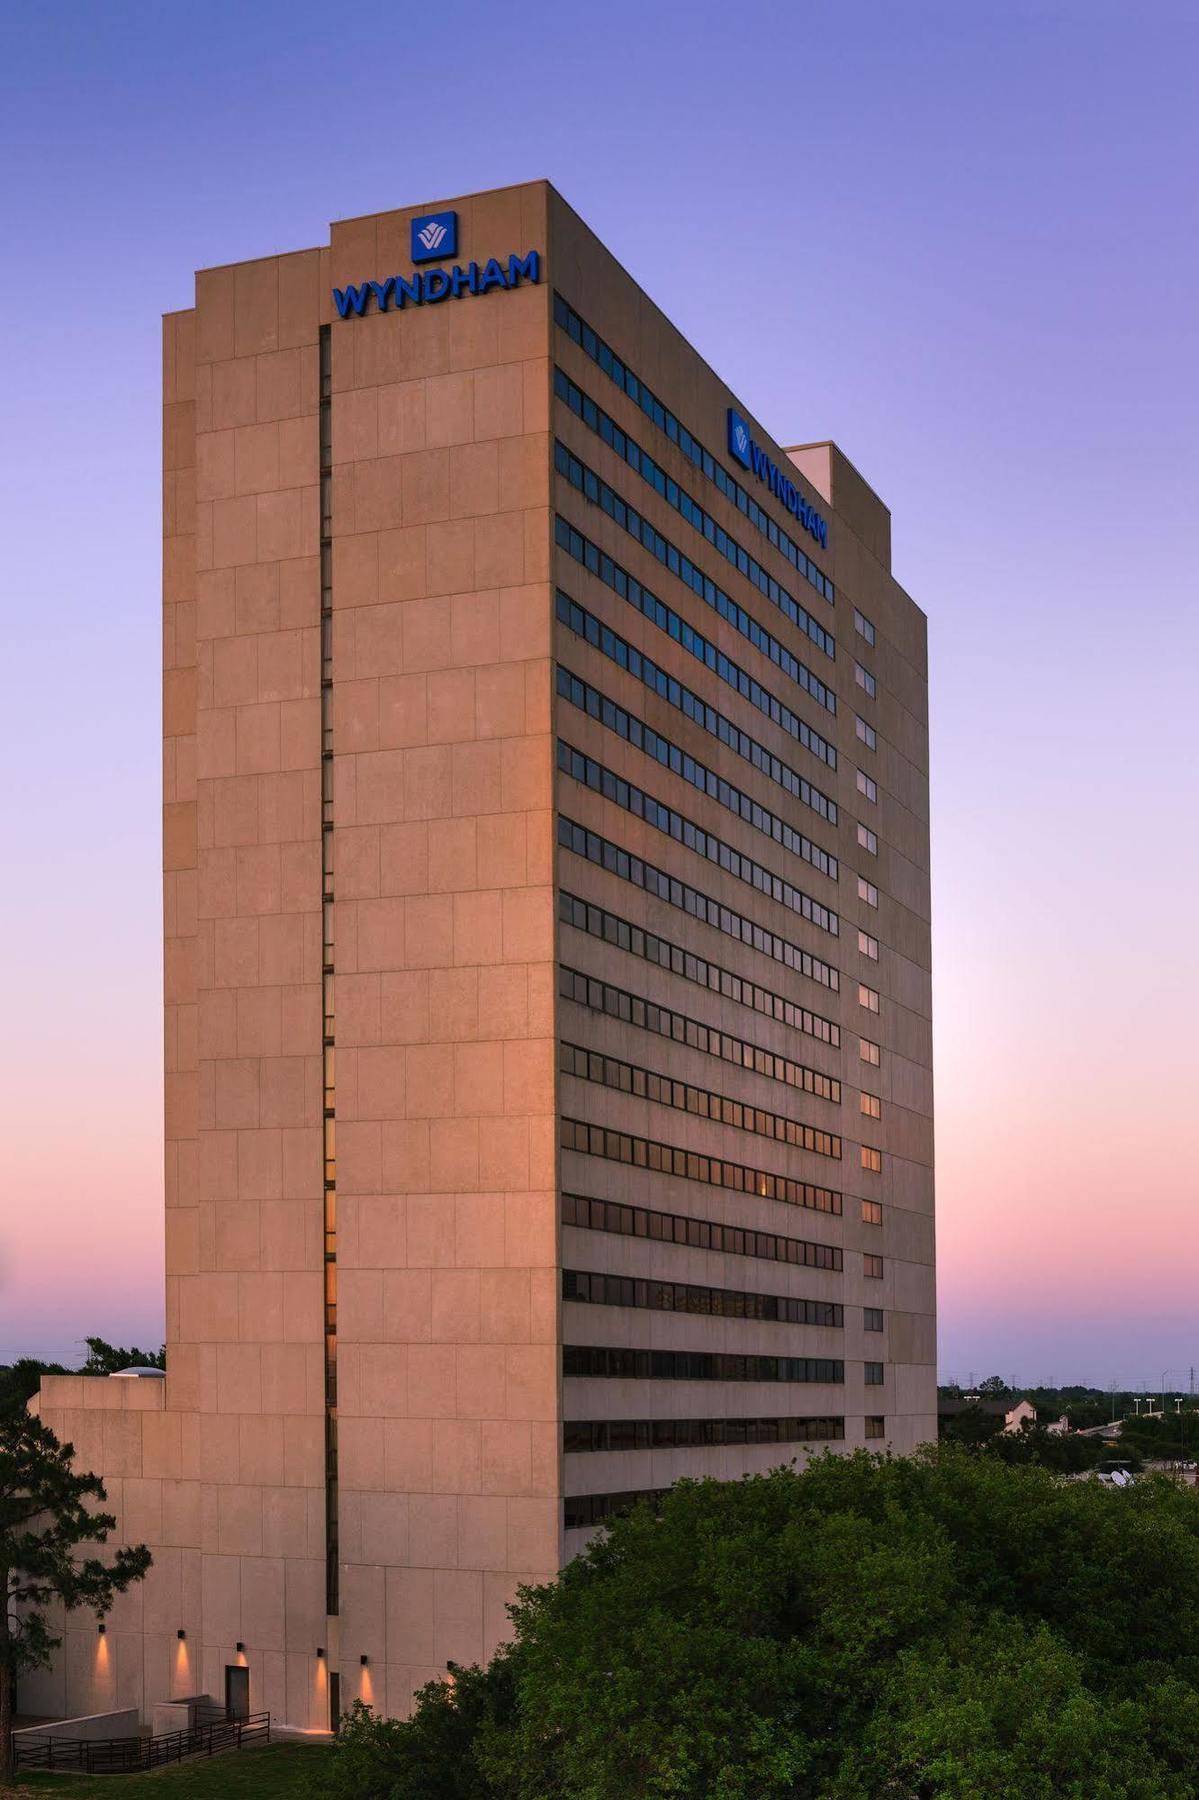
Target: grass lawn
259,1773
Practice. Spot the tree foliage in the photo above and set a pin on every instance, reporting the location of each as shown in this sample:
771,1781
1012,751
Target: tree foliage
49,1528
919,1628
19,1380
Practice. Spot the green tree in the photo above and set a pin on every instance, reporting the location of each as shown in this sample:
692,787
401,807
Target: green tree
108,1359
46,1532
936,1627
19,1381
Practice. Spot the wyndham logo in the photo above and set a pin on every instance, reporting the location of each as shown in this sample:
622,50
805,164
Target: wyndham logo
739,438
434,234
751,457
424,286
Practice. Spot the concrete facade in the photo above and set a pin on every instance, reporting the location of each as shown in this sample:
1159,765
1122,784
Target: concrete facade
428,687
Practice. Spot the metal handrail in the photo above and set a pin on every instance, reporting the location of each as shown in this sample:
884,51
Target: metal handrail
131,1755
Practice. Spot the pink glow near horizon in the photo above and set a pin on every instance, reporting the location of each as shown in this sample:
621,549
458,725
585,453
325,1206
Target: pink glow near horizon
978,277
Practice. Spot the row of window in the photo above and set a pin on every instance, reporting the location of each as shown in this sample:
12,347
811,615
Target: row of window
694,1434
868,945
598,922
863,626
626,656
593,1289
582,1511
617,1217
615,576
701,1103
690,1165
647,1015
868,997
723,479
865,733
672,756
865,680
602,494
872,1160
872,1212
673,824
651,472
694,902
616,1362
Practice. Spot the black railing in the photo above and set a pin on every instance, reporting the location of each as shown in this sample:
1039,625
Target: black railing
129,1755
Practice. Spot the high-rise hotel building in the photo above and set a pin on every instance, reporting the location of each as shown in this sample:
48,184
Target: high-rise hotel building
548,1070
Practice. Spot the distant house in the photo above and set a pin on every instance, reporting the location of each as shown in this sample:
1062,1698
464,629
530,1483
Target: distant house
1014,1417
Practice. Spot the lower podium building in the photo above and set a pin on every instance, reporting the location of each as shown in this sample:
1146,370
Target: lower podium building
548,1065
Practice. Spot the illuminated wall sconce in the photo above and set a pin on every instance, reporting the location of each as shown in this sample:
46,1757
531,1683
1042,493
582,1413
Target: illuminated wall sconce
240,1649
320,1649
101,1629
362,1659
181,1634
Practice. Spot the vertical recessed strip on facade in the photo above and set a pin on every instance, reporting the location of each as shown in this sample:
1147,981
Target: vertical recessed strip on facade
330,1125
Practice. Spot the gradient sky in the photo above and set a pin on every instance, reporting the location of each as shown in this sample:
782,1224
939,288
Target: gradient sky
958,237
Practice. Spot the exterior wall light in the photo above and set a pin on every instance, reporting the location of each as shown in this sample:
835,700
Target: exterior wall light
320,1649
101,1629
240,1648
181,1634
362,1659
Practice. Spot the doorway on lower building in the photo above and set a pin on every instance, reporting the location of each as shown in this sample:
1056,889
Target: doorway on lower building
237,1691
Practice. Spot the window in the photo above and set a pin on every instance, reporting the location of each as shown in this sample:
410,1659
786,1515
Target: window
867,891
871,1105
601,565
617,508
872,1160
867,997
865,679
669,755
869,1053
656,477
622,376
581,1511
867,785
696,1234
608,1362
684,830
685,700
868,945
618,1003
692,1165
693,901
868,839
677,1434
872,1318
862,626
610,928
872,1212
872,1268
876,1427
866,734
586,1288
685,1096
874,1374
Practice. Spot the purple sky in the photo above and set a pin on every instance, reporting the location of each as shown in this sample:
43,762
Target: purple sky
960,239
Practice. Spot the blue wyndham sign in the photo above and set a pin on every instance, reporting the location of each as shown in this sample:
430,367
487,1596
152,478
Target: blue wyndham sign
755,459
423,287
434,236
